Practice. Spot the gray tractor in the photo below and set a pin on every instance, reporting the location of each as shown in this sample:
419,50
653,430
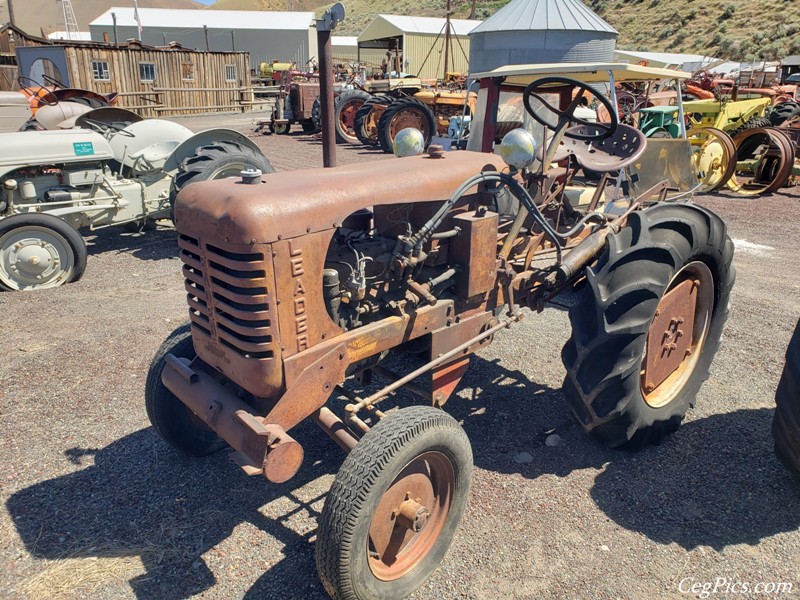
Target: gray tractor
113,168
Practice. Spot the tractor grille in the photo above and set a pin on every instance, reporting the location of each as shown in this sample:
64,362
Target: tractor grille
228,296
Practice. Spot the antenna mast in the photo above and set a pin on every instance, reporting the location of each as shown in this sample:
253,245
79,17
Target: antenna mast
70,22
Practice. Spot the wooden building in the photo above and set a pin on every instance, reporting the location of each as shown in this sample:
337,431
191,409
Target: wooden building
152,81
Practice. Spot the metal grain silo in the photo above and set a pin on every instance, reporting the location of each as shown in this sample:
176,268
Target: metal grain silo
541,31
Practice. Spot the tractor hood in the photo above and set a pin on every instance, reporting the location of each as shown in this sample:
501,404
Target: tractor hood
26,148
294,203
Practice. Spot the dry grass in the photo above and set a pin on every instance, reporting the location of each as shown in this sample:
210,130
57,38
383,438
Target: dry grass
79,572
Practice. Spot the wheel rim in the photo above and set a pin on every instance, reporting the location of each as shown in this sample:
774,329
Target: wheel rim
371,126
715,160
347,118
33,257
761,172
677,334
409,117
424,488
230,171
281,128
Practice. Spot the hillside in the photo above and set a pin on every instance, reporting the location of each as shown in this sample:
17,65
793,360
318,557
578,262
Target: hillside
735,29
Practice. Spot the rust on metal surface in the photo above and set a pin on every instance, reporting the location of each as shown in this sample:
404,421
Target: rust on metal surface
264,448
670,333
334,428
230,290
410,516
226,210
445,379
302,317
474,251
677,334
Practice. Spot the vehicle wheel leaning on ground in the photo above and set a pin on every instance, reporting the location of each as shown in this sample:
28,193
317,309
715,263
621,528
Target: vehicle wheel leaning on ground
344,114
410,472
403,113
39,251
172,420
217,161
648,323
786,422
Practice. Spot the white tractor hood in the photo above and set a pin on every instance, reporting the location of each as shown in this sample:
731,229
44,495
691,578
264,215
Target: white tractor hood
28,148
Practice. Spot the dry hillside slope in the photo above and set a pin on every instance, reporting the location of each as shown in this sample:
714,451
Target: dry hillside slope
735,29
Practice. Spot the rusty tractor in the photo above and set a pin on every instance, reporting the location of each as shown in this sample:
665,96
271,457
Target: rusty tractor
786,422
293,289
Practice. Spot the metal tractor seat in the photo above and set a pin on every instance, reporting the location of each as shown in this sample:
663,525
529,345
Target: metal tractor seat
620,149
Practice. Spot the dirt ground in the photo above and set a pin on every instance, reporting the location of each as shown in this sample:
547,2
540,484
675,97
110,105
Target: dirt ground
95,505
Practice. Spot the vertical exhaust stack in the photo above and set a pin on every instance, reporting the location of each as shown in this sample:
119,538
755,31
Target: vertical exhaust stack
332,17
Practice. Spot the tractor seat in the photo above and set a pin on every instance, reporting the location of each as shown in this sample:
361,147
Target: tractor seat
619,150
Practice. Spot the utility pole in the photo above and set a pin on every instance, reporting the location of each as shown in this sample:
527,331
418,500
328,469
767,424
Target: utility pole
10,12
472,11
447,40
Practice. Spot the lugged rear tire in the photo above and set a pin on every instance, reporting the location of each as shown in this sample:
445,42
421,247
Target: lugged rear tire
218,160
398,458
344,113
170,417
605,357
786,422
363,118
405,105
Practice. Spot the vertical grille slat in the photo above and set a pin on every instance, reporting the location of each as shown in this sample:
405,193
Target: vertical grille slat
228,296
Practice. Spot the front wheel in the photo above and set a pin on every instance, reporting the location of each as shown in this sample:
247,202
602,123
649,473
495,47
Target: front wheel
39,251
394,506
648,324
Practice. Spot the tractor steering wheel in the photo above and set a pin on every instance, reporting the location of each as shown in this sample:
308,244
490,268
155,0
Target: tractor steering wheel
40,100
53,81
104,128
539,86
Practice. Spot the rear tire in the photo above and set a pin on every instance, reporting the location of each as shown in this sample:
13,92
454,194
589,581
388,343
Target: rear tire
786,422
363,549
344,114
170,417
216,161
366,126
784,111
400,109
606,357
39,251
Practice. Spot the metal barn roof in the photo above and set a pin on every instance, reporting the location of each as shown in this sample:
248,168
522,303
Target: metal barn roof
163,18
422,25
545,15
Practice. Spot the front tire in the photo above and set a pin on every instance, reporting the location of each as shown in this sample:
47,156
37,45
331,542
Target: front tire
403,113
648,324
394,506
171,418
786,422
39,251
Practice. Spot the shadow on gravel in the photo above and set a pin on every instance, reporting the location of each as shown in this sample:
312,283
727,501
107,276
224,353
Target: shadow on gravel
715,482
142,498
153,244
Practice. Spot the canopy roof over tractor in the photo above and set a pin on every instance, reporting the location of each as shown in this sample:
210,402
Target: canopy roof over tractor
585,72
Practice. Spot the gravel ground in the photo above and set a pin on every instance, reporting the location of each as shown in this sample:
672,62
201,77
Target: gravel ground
95,505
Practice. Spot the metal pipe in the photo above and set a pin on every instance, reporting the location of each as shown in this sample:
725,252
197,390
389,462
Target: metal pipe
411,387
446,357
326,98
335,428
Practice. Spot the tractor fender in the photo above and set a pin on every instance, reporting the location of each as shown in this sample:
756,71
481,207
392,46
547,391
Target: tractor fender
204,138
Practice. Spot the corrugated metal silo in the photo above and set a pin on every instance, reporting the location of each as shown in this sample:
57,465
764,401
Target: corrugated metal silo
541,31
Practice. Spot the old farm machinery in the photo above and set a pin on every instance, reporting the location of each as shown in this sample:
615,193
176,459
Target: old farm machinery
295,287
